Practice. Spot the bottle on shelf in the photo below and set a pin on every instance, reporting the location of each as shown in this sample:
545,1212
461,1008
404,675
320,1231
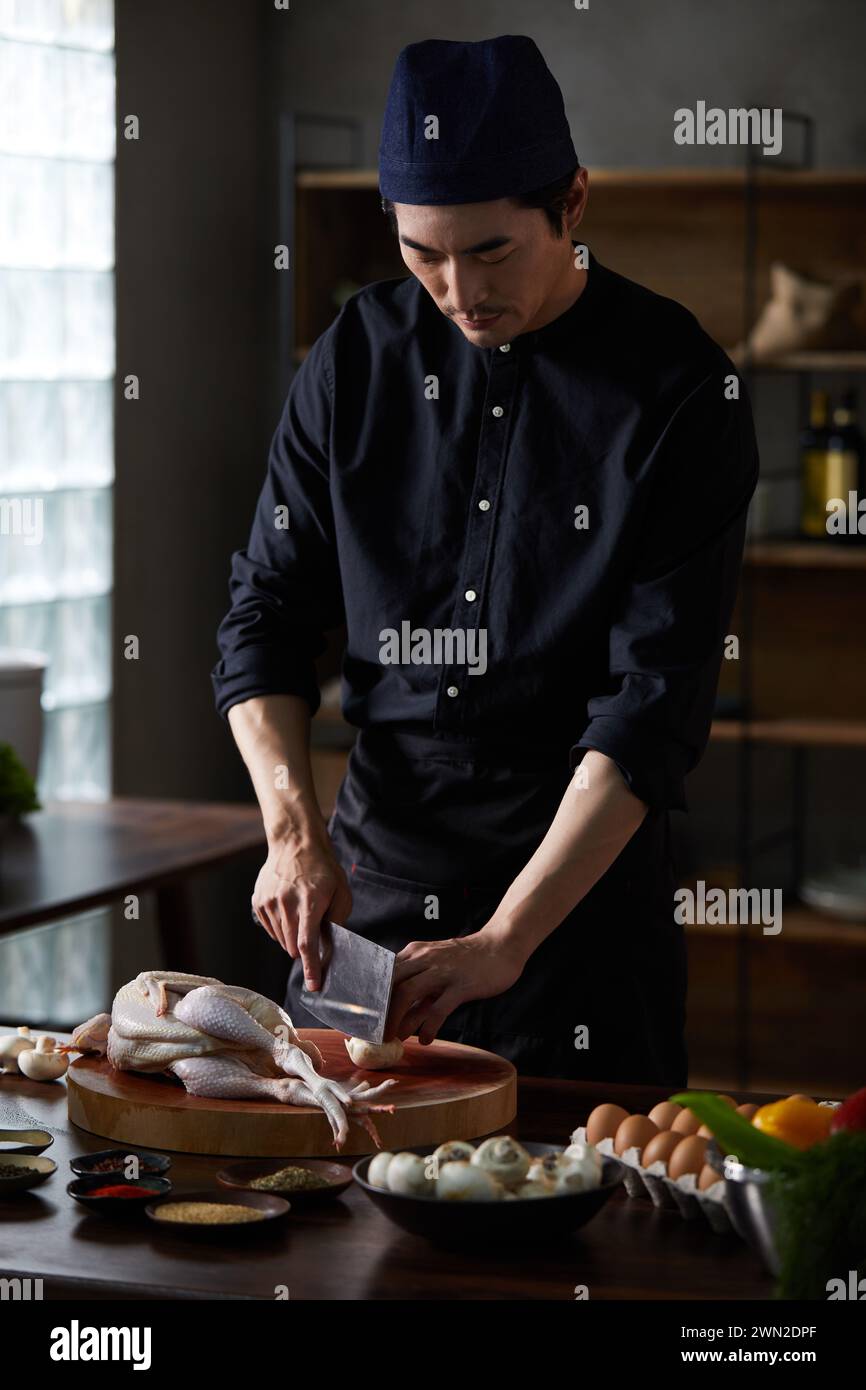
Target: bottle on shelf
813,468
846,456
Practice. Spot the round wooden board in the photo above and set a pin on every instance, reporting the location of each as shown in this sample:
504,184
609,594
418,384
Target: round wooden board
445,1091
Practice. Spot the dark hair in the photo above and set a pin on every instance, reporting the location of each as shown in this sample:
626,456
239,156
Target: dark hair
551,199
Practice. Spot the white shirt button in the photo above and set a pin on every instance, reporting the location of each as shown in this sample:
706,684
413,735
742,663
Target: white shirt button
505,347
452,691
484,505
498,411
471,595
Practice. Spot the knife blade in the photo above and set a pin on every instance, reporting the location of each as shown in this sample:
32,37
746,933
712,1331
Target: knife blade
357,978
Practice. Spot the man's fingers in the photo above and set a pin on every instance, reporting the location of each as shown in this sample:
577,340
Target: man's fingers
412,1008
308,944
340,906
437,1014
404,997
260,915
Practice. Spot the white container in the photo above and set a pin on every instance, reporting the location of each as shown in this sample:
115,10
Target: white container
21,677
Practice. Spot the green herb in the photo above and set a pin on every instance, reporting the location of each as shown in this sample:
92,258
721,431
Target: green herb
289,1180
737,1136
17,788
821,1217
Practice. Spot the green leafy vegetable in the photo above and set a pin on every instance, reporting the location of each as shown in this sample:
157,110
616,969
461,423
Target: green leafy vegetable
17,788
821,1217
737,1136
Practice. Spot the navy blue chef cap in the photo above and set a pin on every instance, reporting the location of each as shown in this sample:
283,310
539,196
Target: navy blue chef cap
502,128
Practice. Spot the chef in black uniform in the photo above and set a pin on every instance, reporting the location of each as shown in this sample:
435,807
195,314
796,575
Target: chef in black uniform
521,481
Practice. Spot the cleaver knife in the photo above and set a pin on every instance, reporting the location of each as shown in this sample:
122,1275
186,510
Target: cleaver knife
355,991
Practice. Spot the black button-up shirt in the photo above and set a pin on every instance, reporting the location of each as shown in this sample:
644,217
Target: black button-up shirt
533,545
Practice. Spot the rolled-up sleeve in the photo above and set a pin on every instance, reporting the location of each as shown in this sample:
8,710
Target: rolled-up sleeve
672,616
285,586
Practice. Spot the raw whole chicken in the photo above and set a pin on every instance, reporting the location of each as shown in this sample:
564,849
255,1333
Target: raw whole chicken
222,1041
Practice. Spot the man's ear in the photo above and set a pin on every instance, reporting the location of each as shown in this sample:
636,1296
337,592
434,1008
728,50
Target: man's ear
576,199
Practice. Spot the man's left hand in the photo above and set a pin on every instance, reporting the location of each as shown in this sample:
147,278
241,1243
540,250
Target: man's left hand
432,978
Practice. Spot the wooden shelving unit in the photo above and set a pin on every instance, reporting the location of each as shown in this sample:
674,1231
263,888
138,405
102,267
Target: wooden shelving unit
805,555
792,733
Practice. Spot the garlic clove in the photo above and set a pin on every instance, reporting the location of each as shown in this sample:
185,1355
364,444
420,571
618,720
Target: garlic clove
374,1056
43,1064
12,1046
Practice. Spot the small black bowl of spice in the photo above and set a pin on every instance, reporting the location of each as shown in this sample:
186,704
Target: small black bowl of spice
116,1161
113,1195
215,1215
21,1171
305,1181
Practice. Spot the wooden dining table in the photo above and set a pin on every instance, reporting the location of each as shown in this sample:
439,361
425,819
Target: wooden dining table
346,1248
73,856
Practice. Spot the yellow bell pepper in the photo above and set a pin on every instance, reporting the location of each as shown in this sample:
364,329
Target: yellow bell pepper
800,1123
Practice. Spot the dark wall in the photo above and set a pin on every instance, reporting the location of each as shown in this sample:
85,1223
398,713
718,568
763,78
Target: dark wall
194,258
194,275
624,66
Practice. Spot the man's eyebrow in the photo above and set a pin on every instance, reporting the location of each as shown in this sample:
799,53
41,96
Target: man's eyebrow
492,244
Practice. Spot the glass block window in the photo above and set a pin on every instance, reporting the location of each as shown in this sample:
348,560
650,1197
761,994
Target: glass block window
57,353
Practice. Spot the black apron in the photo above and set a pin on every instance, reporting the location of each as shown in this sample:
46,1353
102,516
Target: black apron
431,831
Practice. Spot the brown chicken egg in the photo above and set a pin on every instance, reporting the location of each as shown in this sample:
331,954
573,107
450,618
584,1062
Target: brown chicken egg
687,1157
660,1148
635,1132
665,1113
729,1100
686,1123
708,1178
705,1132
604,1122
799,1097
748,1109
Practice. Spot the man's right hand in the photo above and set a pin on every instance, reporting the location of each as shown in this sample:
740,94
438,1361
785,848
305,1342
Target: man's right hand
298,886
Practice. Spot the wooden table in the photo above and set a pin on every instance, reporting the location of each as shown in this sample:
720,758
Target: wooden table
76,855
347,1249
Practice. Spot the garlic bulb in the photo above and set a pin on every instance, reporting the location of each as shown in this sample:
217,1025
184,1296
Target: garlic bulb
461,1181
504,1158
451,1151
43,1062
374,1056
581,1168
377,1172
545,1168
12,1046
576,1177
534,1189
407,1174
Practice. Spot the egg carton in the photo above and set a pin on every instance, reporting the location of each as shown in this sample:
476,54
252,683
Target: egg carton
668,1194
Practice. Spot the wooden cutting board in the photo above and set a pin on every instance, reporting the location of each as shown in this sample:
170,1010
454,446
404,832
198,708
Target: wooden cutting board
445,1091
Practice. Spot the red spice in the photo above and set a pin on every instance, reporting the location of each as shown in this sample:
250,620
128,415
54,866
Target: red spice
123,1189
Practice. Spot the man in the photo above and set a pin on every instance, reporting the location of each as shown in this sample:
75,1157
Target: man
522,481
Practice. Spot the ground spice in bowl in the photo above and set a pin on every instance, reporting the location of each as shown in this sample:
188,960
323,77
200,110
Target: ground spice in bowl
207,1213
116,1165
123,1189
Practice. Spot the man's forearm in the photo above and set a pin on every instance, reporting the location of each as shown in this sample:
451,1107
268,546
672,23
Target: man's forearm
592,825
272,733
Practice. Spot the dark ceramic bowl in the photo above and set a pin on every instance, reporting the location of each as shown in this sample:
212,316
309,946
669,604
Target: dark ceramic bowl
272,1209
82,1190
338,1176
150,1165
24,1141
471,1223
32,1171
